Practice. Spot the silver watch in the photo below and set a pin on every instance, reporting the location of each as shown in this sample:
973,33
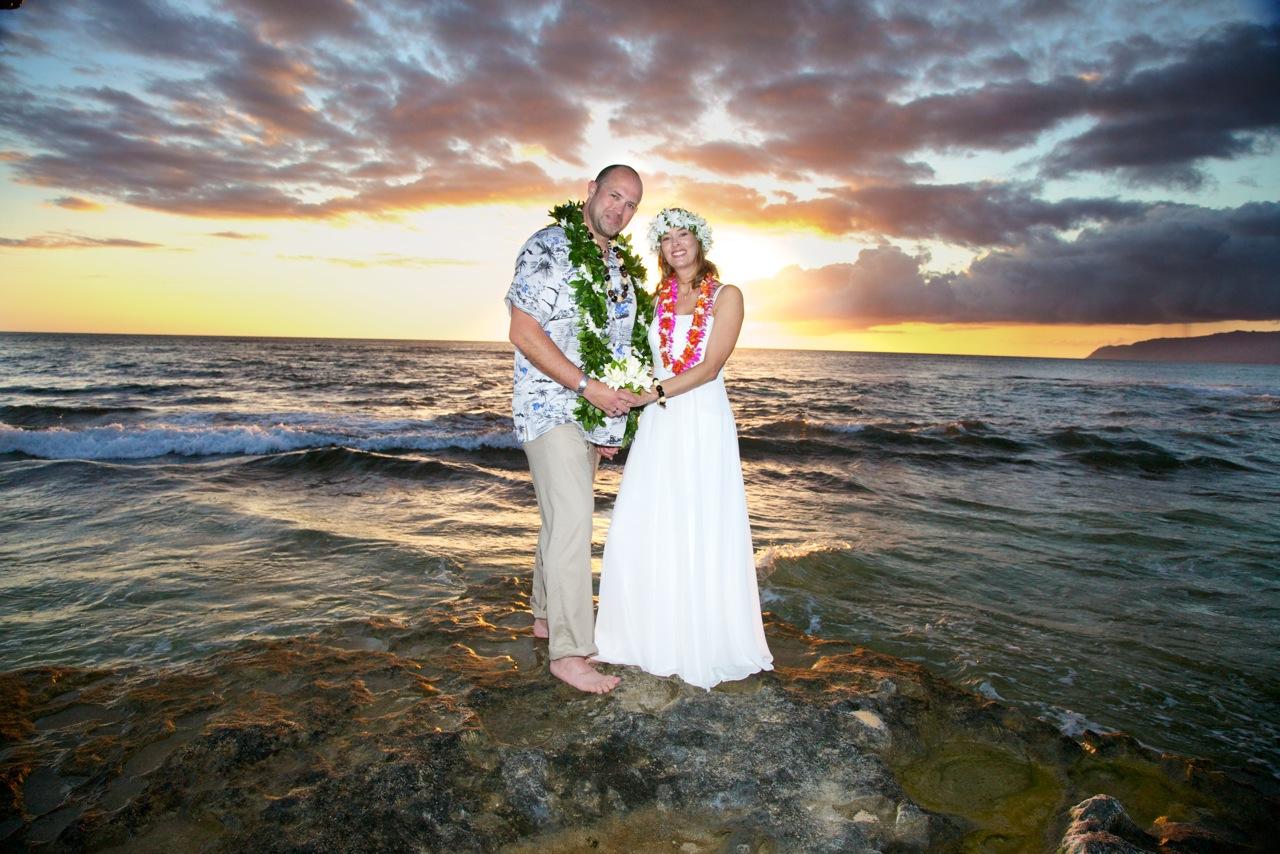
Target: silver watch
582,384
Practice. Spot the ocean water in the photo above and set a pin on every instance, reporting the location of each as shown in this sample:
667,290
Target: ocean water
1094,542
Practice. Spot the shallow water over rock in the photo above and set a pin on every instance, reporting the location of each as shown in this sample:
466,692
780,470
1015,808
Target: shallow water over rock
448,734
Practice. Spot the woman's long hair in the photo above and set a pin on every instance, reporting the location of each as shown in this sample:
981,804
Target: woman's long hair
706,268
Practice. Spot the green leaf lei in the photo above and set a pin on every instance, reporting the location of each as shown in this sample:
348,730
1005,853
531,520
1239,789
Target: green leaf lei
591,291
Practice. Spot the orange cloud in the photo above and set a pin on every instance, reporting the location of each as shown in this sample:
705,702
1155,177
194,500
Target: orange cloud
74,241
237,235
75,203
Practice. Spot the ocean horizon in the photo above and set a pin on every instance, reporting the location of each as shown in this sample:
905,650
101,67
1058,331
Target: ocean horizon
496,343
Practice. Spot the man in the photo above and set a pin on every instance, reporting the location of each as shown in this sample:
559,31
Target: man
548,380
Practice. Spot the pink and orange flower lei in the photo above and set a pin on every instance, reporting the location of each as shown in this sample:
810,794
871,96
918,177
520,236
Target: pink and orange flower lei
667,323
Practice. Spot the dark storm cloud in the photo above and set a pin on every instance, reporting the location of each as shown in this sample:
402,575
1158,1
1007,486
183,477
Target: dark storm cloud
272,110
265,131
1152,124
289,19
1160,110
101,151
268,86
437,118
1156,125
156,30
1175,264
976,215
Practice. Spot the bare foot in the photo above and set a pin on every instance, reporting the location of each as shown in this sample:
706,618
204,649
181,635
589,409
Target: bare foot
575,670
540,628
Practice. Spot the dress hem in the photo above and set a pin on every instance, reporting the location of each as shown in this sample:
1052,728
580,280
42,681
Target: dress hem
760,669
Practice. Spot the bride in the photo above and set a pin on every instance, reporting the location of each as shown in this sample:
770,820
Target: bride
678,591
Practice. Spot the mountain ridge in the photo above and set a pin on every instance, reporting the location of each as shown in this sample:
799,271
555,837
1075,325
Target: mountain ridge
1255,348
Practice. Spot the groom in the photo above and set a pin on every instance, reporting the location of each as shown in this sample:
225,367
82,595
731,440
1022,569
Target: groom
545,324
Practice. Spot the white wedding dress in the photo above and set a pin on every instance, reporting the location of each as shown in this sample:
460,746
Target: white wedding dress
678,591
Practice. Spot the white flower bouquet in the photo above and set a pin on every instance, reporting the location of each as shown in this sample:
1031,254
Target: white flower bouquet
630,372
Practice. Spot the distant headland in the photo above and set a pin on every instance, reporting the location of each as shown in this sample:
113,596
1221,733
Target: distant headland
1258,348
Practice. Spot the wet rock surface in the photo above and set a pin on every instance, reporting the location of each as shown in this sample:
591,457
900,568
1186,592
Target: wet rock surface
1100,825
449,734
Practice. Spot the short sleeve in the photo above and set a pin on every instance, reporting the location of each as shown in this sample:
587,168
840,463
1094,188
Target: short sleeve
538,277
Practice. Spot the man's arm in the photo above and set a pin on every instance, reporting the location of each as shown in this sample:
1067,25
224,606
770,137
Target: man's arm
531,339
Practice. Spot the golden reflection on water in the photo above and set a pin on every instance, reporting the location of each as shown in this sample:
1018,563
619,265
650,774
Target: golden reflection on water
417,515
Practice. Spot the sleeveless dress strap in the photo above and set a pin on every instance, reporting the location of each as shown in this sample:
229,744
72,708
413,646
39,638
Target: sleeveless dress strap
715,292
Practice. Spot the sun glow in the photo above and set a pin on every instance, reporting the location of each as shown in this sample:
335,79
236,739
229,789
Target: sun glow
743,255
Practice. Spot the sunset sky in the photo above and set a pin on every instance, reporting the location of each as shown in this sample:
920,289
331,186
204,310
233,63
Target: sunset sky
1035,178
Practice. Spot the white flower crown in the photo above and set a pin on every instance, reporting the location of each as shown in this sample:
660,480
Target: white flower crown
671,218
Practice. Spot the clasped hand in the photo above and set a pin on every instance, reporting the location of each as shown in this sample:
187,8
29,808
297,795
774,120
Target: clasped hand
612,402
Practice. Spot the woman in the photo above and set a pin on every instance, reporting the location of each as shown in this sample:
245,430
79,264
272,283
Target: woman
678,589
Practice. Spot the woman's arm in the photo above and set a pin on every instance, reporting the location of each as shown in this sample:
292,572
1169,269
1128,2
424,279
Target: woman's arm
728,312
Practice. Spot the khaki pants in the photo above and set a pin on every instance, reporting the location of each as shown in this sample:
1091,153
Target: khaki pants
563,465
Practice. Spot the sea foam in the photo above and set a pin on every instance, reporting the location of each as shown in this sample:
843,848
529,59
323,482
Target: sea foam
117,442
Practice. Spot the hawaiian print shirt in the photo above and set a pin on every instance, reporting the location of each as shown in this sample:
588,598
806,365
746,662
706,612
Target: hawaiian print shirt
541,289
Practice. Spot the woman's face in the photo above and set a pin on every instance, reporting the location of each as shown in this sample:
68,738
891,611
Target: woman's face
679,248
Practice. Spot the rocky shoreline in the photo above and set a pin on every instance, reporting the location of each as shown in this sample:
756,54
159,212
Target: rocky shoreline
449,735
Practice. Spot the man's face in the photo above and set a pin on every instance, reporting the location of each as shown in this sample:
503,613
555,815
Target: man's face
612,202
